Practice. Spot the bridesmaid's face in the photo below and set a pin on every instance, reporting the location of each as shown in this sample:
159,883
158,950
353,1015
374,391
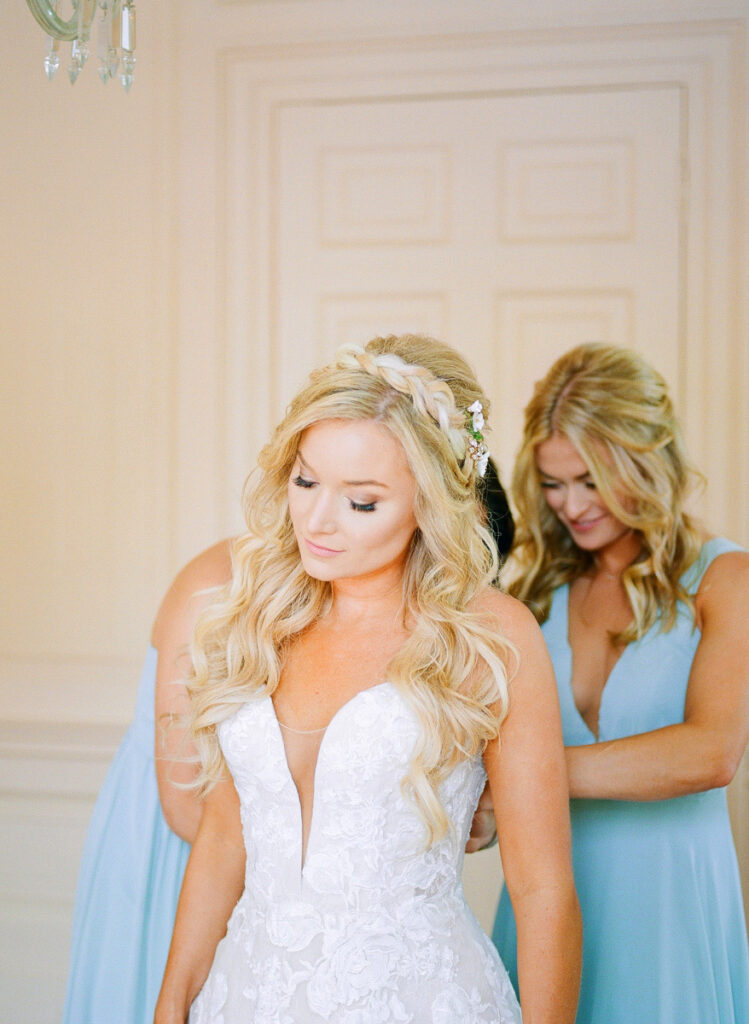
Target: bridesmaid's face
571,494
351,500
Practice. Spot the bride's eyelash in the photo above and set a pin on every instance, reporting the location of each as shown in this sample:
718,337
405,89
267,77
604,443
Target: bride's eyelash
357,506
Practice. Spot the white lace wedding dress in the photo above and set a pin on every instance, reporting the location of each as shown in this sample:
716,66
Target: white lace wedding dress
364,926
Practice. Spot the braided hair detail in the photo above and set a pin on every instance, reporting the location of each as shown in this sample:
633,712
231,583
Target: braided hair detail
430,396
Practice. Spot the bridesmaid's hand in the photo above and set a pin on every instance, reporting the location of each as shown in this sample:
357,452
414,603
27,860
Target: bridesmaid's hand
483,827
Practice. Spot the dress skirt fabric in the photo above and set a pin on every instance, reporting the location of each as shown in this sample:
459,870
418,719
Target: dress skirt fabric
664,938
128,885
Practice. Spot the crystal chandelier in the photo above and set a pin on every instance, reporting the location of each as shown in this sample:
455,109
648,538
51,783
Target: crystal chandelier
115,37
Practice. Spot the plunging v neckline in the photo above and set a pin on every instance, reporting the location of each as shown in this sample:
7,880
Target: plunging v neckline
304,841
607,682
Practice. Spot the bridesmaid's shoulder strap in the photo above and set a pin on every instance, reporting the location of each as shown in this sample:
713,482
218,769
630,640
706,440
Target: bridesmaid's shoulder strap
709,552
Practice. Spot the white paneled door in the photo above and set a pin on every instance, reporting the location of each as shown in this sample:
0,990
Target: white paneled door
513,226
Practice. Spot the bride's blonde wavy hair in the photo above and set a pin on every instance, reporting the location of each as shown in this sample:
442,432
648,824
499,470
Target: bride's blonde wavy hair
615,409
453,668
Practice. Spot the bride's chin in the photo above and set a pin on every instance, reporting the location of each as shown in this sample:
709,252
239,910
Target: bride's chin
318,572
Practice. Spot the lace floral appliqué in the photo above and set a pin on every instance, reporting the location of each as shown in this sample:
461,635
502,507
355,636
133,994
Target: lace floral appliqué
370,928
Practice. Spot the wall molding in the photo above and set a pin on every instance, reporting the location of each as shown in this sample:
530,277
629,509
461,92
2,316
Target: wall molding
254,83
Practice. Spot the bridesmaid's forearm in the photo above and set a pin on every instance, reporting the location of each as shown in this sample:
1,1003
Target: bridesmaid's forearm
669,762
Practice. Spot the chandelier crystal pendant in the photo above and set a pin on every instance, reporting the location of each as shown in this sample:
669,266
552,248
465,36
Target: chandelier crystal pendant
115,36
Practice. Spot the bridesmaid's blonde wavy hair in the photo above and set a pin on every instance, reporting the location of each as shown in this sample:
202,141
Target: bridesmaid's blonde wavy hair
452,670
615,409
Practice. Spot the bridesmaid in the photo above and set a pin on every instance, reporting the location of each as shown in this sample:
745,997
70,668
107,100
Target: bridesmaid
140,830
645,619
142,826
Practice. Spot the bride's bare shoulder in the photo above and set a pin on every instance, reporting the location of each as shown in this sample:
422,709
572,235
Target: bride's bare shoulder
509,615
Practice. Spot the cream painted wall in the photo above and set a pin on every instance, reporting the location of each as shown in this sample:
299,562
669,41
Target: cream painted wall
88,315
133,315
88,320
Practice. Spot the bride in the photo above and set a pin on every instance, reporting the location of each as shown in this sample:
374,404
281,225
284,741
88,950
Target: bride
353,687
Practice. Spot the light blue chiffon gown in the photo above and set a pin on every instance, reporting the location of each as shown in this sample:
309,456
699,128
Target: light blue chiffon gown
128,885
664,933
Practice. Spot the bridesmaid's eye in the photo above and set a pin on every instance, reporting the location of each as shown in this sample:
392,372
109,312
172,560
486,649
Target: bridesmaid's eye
299,481
368,507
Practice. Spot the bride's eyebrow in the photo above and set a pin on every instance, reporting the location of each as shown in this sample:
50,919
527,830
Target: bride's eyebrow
364,483
348,483
305,464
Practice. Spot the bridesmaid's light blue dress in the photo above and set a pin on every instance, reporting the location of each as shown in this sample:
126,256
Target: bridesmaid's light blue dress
128,885
664,934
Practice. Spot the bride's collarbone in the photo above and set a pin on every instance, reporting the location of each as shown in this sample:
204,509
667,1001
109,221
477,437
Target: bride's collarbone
320,676
338,650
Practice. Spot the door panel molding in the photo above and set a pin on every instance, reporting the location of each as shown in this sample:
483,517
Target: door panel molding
257,83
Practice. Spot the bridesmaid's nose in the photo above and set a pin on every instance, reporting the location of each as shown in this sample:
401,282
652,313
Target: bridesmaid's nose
576,500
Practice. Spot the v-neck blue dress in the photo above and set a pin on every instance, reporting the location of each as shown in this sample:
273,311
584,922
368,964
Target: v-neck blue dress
128,885
664,936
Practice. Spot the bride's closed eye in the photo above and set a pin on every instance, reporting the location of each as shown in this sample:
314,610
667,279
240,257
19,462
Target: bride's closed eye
357,506
299,481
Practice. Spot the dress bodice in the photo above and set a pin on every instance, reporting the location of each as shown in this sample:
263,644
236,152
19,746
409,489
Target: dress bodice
357,803
371,927
647,686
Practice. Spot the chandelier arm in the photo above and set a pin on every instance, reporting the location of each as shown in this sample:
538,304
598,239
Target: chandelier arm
51,22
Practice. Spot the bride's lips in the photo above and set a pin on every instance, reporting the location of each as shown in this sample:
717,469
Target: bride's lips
319,551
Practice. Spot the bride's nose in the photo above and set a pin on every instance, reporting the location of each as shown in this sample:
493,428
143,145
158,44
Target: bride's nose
321,513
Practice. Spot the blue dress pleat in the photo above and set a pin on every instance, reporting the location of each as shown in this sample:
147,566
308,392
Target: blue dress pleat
128,885
664,936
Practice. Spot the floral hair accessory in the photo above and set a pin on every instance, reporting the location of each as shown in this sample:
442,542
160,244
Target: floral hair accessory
476,447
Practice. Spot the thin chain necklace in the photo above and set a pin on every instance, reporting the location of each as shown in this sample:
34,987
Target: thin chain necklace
301,732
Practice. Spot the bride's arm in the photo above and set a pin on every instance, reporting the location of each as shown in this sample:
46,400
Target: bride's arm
213,883
528,781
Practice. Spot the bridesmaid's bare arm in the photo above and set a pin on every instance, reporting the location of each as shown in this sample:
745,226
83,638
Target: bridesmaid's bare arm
705,750
172,631
483,827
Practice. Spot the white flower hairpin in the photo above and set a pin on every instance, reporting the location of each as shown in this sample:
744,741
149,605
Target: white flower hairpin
476,446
